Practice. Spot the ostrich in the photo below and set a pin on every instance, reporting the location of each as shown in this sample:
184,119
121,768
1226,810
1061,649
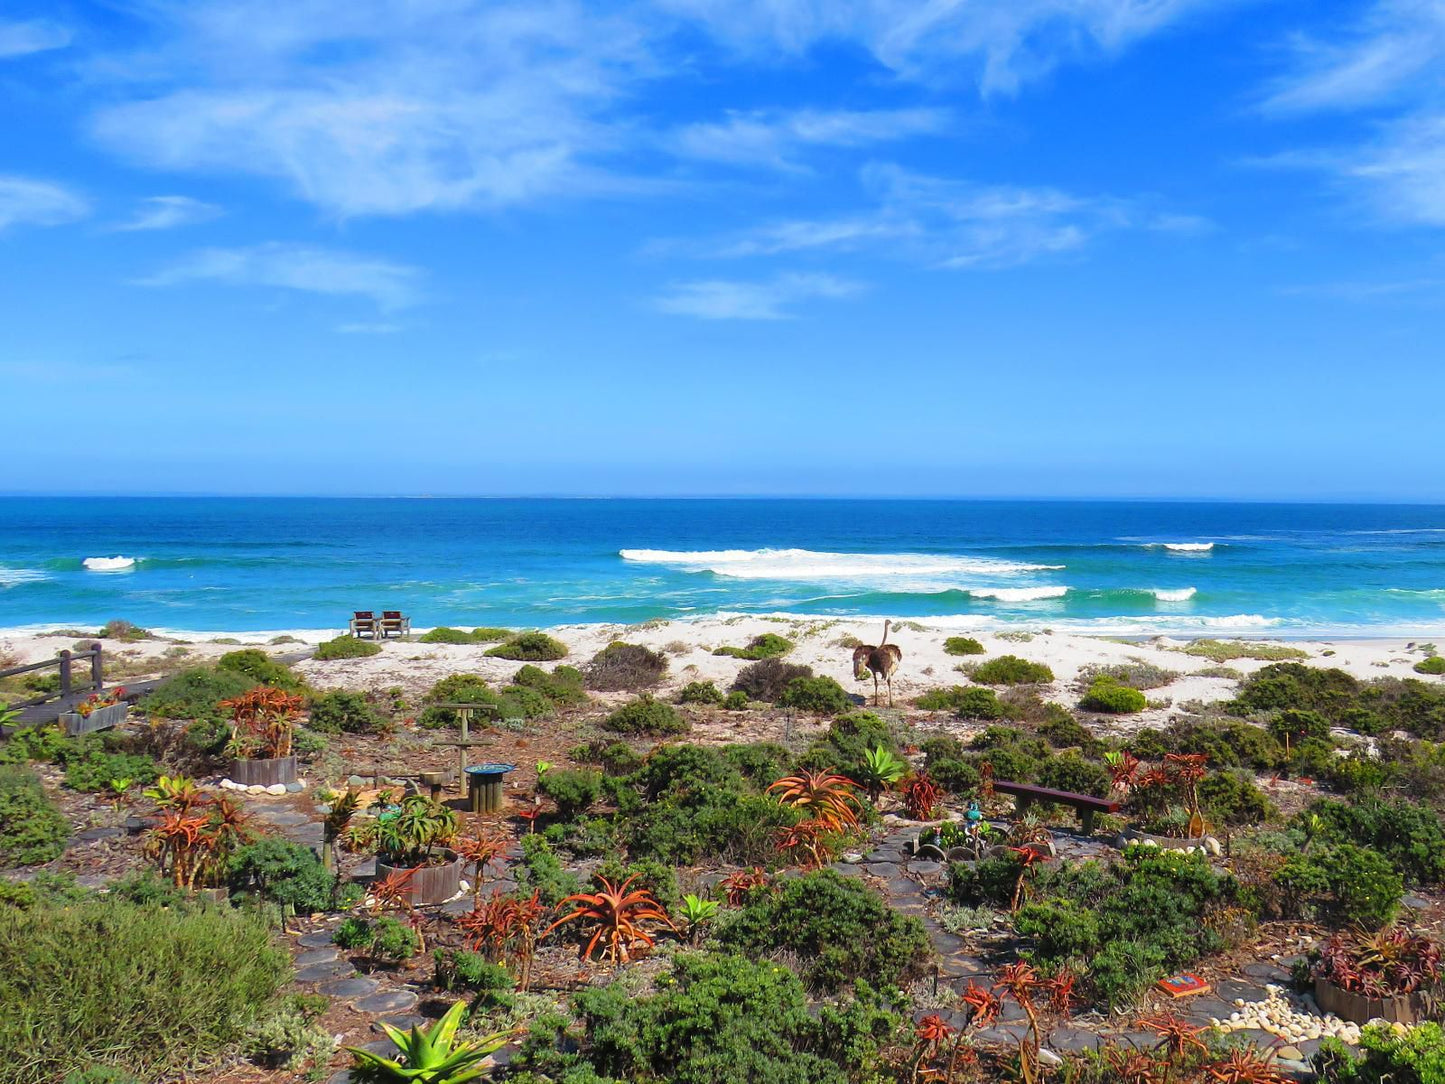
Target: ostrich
880,661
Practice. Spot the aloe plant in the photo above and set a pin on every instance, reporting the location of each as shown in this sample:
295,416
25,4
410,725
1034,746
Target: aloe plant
428,1055
879,771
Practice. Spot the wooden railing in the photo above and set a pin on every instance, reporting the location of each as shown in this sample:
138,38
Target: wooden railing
65,661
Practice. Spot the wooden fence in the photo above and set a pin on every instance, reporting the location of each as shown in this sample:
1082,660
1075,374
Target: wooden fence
65,662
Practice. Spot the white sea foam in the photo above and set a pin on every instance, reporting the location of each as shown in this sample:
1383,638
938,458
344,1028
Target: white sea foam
109,564
814,565
11,577
1018,594
1188,547
1172,594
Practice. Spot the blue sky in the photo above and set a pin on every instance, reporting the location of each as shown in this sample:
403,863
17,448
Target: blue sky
1027,247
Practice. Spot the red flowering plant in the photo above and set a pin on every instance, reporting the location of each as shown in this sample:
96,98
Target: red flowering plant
106,698
1389,963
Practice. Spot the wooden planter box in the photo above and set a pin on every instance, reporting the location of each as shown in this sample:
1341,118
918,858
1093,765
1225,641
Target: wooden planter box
99,719
263,773
1359,1009
430,884
1173,843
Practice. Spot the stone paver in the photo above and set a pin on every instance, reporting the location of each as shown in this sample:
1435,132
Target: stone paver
336,969
388,1001
349,988
311,957
314,939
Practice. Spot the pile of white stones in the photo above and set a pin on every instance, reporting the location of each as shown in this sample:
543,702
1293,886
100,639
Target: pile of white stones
275,789
1292,1022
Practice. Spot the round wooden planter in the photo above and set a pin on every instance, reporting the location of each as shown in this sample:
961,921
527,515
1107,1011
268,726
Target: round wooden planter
1359,1009
264,773
430,884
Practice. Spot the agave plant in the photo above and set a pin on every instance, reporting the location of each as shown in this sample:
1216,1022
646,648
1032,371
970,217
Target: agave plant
879,771
504,926
342,809
174,792
428,1055
696,911
263,723
809,838
826,795
621,919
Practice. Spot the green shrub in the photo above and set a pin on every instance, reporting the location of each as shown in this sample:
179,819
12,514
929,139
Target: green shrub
342,711
32,828
820,695
1137,674
123,631
957,777
1106,695
712,1018
651,876
1229,650
759,762
1409,836
988,883
443,634
346,647
289,1036
458,970
1298,725
43,743
645,716
286,873
848,742
1351,885
736,700
573,791
154,991
969,702
622,666
768,679
89,767
393,940
1232,798
1073,773
767,646
1012,670
962,645
700,692
261,668
1387,1057
1434,665
196,694
840,930
1063,731
530,647
352,933
540,870
560,685
513,702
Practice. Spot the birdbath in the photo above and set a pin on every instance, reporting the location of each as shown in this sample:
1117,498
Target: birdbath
435,781
484,786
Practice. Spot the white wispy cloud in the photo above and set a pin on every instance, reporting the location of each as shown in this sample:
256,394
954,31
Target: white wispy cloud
31,36
168,213
954,224
28,202
772,299
372,328
762,138
298,267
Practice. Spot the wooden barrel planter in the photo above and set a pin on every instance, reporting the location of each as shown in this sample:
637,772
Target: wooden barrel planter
264,773
99,719
430,884
1361,1009
484,787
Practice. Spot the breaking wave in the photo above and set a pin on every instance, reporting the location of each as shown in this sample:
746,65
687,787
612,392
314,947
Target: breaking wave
815,565
1018,594
109,564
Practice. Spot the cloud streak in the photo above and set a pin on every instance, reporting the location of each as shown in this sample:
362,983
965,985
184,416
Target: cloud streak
776,139
19,39
169,213
725,299
28,202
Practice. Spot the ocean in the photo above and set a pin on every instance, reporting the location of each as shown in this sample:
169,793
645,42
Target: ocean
217,565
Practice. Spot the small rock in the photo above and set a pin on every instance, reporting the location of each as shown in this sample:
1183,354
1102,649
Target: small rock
255,788
1048,1057
851,857
1291,1053
295,788
1212,845
355,781
276,789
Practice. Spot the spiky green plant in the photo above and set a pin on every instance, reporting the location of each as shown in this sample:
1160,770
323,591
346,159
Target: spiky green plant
879,771
428,1055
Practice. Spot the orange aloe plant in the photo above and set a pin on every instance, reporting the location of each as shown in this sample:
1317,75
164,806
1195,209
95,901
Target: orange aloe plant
826,795
621,919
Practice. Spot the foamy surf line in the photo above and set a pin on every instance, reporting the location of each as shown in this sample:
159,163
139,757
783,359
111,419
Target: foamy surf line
815,565
108,564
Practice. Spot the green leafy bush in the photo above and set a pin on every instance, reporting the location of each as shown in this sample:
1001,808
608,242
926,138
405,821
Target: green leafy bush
1228,650
153,991
767,646
1232,798
848,742
32,828
560,685
393,940
820,695
712,1018
700,692
962,645
1348,884
737,700
444,634
1073,773
1386,1057
540,870
1410,837
342,711
768,679
261,668
346,647
573,791
530,647
1434,665
623,666
645,716
512,702
1136,673
90,766
196,694
1063,731
352,933
840,930
1012,670
1108,696
286,873
459,970
969,702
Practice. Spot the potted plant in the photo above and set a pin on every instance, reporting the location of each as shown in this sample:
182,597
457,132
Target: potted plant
1391,975
263,724
414,837
98,711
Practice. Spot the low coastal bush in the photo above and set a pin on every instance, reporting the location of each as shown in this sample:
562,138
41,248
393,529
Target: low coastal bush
342,711
839,929
562,685
32,828
767,646
154,991
1073,773
1136,674
622,666
1233,798
820,695
1386,1057
197,694
530,647
443,634
1063,731
967,702
1106,695
645,716
1435,665
768,679
286,873
1229,650
1344,884
535,696
261,668
92,762
700,692
1411,838
962,645
711,1018
574,791
1012,670
346,647
849,741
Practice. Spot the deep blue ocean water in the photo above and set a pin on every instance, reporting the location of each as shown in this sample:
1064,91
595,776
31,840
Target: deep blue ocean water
252,564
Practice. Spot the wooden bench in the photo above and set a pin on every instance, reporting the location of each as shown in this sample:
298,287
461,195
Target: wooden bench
363,625
394,624
1086,805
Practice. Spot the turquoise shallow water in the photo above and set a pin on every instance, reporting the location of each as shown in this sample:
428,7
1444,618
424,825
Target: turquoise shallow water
243,564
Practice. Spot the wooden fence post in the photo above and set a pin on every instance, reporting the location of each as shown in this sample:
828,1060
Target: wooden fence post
97,670
65,673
